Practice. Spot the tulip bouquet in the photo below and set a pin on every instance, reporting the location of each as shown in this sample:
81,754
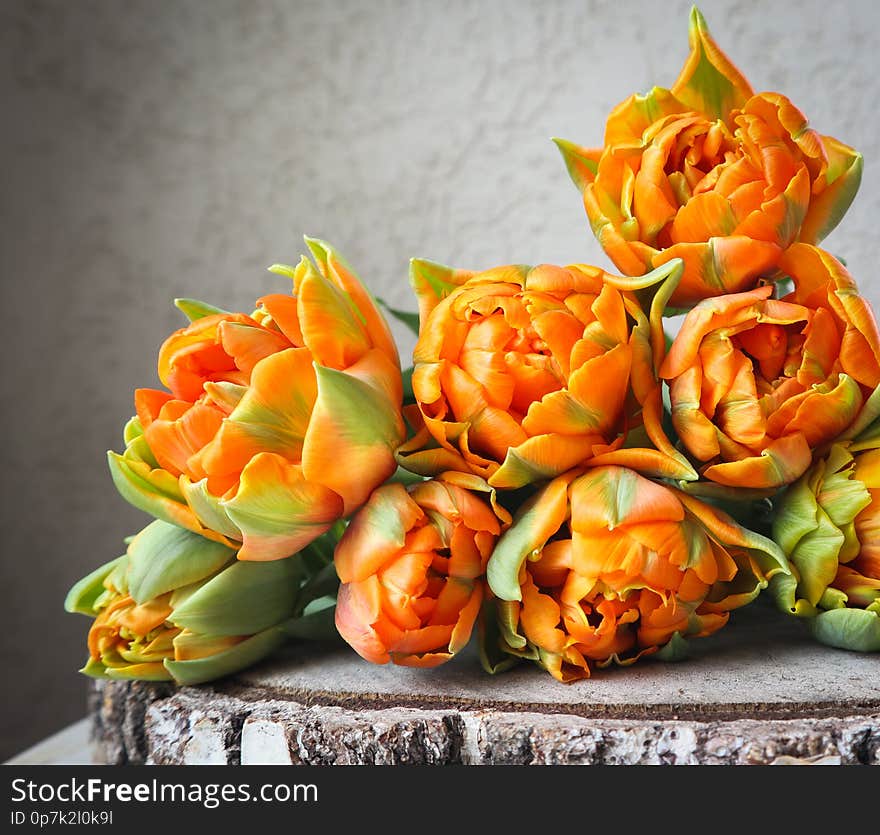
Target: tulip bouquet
555,475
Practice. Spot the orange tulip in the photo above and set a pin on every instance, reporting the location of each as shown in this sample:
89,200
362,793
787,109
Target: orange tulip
713,174
757,383
522,373
606,566
245,446
412,566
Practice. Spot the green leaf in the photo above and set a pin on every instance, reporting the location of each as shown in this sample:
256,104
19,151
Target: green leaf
245,654
411,320
315,625
852,629
243,599
83,594
193,309
406,376
164,557
323,584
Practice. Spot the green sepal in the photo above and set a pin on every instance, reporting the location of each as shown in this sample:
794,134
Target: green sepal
852,629
243,599
193,309
164,557
245,654
83,594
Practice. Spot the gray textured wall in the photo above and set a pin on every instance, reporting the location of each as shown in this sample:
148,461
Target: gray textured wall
155,149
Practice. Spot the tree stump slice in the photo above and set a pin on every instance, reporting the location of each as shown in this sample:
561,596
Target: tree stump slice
760,691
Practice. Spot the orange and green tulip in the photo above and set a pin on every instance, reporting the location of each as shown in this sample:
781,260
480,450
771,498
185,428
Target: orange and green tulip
412,563
828,523
711,173
757,383
274,425
179,607
606,566
522,373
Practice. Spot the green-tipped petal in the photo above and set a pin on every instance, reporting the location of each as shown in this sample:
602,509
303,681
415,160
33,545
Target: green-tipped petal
493,658
83,594
243,599
355,423
208,507
709,83
277,510
432,282
536,522
164,557
152,491
827,208
853,629
193,309
225,663
582,163
795,516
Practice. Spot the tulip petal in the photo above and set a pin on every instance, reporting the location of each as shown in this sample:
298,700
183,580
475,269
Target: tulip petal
543,457
164,557
193,309
331,326
335,268
780,463
207,508
242,655
278,510
148,490
827,208
375,533
245,598
582,163
852,629
432,282
84,593
535,523
709,83
351,422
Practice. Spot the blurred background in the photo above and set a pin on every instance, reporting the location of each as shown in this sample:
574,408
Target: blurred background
153,149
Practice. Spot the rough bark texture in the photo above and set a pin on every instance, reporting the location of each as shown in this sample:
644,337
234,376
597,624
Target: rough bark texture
144,723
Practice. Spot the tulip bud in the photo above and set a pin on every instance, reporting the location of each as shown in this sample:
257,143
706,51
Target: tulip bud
828,523
411,564
181,607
